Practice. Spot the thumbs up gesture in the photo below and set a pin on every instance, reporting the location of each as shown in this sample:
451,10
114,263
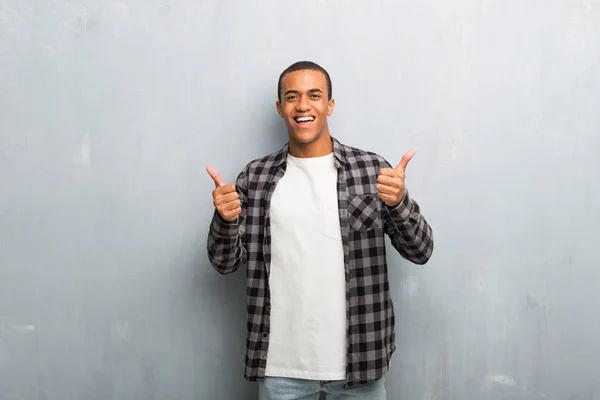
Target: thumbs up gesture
390,182
225,197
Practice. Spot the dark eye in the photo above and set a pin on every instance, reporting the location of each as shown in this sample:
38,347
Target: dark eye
291,97
316,95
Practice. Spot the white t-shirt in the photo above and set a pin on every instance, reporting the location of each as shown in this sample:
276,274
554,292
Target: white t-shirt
307,277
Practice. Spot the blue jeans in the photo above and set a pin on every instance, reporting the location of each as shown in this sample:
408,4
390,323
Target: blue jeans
299,389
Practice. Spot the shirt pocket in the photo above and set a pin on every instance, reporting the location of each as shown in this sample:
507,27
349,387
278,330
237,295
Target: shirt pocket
363,212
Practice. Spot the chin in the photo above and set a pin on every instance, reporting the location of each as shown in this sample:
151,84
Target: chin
304,137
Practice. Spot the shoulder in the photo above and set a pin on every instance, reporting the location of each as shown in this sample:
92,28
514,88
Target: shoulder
264,163
364,158
260,166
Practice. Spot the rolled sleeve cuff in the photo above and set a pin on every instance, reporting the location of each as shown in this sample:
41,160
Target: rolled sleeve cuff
222,228
402,211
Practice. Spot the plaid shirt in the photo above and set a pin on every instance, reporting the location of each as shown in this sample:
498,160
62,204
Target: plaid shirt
364,221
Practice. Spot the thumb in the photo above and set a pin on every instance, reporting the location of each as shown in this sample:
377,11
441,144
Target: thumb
215,176
405,159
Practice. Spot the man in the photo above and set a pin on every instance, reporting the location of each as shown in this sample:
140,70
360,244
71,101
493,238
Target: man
309,222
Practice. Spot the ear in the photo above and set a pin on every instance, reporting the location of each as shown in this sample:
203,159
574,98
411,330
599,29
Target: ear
330,106
279,110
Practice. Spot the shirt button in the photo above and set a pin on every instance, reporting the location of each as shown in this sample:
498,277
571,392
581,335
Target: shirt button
265,335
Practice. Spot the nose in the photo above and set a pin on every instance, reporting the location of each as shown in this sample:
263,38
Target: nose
302,104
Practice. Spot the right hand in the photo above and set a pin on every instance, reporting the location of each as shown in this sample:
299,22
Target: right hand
225,198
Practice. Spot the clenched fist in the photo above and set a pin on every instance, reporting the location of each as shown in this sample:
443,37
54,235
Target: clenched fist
225,198
390,182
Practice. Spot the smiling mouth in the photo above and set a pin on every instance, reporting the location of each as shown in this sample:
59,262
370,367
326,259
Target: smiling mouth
304,121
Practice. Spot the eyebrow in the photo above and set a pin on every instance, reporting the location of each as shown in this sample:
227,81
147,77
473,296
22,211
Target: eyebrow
297,92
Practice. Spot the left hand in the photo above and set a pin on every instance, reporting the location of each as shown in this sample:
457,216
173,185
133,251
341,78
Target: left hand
390,182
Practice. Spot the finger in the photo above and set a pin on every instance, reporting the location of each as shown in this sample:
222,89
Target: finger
230,206
232,215
405,159
389,181
225,189
388,172
391,190
215,176
387,198
226,198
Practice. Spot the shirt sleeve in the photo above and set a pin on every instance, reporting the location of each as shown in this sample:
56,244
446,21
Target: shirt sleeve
226,243
408,229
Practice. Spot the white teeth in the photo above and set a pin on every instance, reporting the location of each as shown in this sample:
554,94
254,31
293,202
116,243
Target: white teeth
304,119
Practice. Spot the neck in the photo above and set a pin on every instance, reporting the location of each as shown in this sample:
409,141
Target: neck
318,148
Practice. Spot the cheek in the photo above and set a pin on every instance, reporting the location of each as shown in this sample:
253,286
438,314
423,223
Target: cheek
323,109
287,112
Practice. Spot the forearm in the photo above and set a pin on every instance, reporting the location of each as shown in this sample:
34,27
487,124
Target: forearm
226,249
408,230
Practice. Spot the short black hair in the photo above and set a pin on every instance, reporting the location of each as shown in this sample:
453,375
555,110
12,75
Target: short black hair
301,66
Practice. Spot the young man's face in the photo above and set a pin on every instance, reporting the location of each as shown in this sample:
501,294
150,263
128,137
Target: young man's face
304,105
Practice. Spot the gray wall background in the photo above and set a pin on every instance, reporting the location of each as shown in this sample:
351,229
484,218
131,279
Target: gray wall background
110,111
